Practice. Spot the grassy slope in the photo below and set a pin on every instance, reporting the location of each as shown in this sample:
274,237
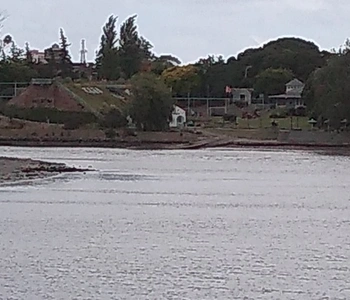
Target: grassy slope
96,101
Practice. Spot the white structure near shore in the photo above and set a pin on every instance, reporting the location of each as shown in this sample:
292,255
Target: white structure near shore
178,117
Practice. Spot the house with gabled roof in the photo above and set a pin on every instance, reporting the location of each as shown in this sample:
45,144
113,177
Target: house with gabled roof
292,96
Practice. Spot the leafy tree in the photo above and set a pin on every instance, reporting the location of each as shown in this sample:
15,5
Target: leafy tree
114,119
327,90
16,71
151,102
272,81
182,79
16,53
133,50
163,62
107,59
299,56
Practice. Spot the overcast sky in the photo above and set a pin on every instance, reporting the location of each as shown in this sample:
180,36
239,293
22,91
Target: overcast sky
188,29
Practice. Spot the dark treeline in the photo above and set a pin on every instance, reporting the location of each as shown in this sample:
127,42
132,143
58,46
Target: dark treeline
124,53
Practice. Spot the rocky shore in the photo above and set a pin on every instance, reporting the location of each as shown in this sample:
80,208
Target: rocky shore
16,169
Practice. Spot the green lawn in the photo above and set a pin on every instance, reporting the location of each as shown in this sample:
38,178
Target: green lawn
262,123
97,102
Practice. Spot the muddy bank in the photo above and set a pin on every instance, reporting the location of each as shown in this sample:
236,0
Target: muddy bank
16,169
161,144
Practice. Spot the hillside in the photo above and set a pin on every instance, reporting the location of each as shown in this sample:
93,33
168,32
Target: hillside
99,96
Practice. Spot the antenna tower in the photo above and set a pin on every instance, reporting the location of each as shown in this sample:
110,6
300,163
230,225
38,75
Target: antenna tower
83,52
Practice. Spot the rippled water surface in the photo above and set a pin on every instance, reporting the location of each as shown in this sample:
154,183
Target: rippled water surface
210,224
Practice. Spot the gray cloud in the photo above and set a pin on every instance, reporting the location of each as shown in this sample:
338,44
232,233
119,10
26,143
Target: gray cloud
188,29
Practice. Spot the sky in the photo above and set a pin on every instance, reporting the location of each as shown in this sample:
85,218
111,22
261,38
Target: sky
188,29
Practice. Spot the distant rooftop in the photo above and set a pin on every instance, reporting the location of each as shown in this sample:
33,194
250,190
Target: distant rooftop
295,82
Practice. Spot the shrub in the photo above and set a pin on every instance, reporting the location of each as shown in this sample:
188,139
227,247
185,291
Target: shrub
114,119
279,114
47,114
111,133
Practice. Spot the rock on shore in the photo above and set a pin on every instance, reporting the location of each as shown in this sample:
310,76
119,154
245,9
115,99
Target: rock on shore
16,169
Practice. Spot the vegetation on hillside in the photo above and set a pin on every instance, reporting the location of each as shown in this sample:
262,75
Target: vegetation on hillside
151,103
124,54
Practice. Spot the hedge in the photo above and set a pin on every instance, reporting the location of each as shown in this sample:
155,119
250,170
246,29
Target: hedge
46,114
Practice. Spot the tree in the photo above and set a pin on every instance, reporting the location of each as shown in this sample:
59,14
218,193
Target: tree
272,81
114,119
151,102
107,59
163,62
133,50
16,71
327,91
182,79
16,53
65,58
28,54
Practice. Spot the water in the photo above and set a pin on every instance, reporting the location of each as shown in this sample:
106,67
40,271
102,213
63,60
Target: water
210,224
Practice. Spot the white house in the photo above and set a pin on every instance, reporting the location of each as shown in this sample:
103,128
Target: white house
178,117
295,87
293,95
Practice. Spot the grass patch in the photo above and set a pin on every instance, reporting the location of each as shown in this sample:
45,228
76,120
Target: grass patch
97,102
264,122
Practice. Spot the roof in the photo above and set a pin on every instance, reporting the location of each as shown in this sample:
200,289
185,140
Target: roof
285,96
294,82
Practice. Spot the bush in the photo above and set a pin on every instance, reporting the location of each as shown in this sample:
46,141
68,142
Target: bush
111,133
279,114
114,119
46,114
230,118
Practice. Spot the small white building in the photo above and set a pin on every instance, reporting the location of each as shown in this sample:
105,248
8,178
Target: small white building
178,117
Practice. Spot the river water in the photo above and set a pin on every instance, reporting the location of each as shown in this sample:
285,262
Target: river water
208,224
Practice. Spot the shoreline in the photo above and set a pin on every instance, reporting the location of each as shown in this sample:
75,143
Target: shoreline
168,145
17,170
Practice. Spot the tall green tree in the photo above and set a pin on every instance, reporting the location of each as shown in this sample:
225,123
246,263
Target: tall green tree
327,90
133,50
65,58
151,102
107,58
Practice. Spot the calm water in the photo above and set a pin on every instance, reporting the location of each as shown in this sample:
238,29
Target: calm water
211,224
